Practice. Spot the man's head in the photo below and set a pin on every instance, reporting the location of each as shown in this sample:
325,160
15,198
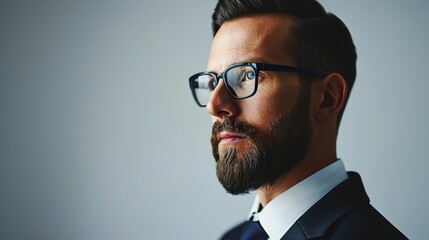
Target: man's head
284,111
316,39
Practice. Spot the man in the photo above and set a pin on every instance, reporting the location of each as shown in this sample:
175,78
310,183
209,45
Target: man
279,75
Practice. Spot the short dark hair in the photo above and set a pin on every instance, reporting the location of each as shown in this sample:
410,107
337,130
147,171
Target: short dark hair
318,40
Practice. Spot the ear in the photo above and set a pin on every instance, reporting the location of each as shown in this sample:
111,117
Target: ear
333,96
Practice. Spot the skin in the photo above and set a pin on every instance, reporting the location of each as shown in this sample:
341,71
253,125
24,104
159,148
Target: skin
259,38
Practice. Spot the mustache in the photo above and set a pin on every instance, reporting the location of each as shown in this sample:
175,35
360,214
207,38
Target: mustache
232,125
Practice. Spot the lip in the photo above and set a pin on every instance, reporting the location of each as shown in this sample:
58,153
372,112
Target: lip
229,137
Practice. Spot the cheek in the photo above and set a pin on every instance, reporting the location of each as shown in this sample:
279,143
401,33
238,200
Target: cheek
268,104
261,112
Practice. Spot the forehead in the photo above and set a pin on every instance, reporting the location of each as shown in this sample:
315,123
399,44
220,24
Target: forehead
255,38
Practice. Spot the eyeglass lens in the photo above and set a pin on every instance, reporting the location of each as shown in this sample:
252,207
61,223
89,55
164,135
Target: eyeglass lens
240,81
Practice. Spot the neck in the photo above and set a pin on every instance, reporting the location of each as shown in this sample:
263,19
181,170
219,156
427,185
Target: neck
320,154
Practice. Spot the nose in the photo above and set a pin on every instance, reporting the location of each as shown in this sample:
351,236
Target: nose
221,104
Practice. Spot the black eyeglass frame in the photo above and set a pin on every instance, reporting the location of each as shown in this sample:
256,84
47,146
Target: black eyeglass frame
257,67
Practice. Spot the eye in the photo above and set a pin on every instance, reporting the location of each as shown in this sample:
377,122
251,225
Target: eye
211,84
248,75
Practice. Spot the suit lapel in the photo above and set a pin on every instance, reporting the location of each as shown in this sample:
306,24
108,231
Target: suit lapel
340,200
295,233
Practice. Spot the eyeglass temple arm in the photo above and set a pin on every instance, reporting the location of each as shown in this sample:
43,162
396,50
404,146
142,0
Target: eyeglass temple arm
281,68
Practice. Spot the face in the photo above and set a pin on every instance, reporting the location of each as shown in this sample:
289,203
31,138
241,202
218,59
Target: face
259,139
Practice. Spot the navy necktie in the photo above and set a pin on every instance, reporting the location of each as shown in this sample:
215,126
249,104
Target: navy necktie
253,231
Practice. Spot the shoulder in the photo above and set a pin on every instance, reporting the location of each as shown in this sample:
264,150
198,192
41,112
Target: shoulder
363,222
346,213
233,233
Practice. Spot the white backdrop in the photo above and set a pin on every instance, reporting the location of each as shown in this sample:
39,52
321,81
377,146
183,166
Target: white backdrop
100,137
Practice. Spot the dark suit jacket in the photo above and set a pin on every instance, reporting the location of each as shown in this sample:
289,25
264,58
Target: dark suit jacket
343,213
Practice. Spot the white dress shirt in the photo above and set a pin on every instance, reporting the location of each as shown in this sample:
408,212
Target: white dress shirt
283,211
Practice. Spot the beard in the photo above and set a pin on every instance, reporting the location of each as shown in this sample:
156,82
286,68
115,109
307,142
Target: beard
266,157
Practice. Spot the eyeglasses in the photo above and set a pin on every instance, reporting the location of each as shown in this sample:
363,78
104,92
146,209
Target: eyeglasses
241,80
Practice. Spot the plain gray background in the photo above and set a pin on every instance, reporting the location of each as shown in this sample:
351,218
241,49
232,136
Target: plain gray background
100,137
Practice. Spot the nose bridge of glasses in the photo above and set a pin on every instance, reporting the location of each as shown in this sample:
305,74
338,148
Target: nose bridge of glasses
228,88
217,78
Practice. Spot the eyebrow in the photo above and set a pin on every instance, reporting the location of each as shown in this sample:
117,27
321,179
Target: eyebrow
253,59
256,60
260,60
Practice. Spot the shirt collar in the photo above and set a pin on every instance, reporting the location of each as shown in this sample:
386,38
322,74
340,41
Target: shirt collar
283,211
